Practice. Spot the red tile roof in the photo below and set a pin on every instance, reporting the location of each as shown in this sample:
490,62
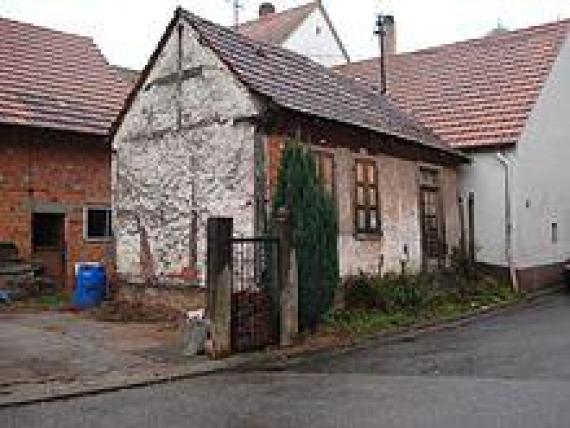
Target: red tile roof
473,93
56,80
297,83
275,28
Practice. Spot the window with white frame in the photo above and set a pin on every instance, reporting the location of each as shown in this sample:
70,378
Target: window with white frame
97,223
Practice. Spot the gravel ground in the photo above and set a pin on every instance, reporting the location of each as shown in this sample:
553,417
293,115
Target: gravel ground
65,347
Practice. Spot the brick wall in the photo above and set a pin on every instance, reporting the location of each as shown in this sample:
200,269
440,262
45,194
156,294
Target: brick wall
40,168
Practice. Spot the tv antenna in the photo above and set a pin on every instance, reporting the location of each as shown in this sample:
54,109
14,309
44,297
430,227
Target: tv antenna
237,5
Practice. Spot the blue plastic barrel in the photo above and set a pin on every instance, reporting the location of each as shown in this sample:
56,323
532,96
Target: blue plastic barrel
90,286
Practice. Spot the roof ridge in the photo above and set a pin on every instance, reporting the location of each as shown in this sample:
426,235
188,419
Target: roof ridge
45,28
311,4
518,32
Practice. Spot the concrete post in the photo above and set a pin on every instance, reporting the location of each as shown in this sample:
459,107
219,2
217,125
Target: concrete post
219,283
288,280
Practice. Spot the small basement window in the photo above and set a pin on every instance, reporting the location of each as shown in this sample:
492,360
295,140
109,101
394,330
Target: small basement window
97,223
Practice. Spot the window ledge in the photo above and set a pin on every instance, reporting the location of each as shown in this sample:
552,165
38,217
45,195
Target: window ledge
98,240
369,236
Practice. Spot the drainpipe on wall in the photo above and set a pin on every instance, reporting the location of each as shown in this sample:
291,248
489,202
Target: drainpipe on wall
508,220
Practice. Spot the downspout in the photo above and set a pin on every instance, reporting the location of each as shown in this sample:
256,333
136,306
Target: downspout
509,220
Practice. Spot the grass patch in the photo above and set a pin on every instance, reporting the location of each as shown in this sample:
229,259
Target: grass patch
366,322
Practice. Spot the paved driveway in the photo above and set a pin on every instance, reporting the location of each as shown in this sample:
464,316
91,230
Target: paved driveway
507,371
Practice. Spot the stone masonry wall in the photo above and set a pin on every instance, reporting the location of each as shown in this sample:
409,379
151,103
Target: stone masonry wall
179,149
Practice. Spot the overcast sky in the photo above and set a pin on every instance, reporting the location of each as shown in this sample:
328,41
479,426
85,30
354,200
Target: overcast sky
127,30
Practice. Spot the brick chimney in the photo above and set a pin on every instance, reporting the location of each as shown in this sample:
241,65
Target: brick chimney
266,9
390,28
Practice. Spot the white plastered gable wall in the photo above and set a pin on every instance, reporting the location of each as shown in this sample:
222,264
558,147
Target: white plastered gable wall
539,182
541,173
314,38
157,165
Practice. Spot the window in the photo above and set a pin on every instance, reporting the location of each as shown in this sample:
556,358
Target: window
366,212
324,162
97,223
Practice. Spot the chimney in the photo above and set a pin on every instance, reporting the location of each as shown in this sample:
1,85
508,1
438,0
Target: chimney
390,29
386,31
266,9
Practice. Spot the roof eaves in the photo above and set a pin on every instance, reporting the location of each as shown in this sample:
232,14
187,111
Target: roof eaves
58,127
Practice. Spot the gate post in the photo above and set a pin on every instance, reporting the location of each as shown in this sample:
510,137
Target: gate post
288,279
219,283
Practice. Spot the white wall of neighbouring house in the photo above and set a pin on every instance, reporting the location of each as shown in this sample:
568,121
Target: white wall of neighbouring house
542,173
314,38
165,169
485,178
540,182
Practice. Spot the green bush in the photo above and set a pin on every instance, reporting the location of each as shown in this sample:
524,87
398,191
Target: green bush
423,292
315,232
390,293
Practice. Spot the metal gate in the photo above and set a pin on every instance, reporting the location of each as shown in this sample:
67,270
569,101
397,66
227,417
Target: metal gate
255,293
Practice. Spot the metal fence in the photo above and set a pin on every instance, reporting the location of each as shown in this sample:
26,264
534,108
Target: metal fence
255,293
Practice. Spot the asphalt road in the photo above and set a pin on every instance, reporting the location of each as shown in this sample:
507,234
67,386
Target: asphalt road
512,370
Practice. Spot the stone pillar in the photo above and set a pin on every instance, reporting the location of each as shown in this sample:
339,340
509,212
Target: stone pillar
288,279
219,283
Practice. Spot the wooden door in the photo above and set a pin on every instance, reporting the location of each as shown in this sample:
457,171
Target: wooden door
431,221
48,243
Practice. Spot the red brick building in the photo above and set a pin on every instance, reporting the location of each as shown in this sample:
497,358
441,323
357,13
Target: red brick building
58,97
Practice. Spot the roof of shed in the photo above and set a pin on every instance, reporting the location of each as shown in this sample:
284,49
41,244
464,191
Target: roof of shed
127,74
295,82
276,27
57,80
476,93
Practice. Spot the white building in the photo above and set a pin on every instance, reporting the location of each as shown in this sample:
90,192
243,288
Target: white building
306,29
505,100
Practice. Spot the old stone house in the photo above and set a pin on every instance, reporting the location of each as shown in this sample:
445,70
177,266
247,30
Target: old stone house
306,29
504,100
57,101
202,132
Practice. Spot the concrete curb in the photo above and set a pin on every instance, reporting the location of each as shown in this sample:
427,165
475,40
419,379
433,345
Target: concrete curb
64,392
409,332
260,360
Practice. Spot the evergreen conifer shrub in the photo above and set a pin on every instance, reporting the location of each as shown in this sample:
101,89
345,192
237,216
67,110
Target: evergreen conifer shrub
315,231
